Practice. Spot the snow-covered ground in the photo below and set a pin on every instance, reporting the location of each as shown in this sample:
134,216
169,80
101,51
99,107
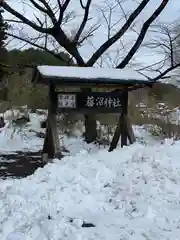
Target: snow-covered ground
129,194
21,138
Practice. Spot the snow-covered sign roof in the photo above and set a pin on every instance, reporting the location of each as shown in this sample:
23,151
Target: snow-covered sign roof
87,75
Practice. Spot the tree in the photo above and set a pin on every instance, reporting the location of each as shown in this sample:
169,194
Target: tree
2,44
36,56
20,60
165,44
176,44
3,56
58,16
19,66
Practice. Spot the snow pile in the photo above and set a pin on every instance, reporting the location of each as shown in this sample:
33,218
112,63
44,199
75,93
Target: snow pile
36,120
12,139
131,193
16,113
176,115
91,73
22,138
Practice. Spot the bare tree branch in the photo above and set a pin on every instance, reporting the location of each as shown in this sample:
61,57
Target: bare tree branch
24,19
108,19
160,76
56,31
59,4
86,35
125,15
49,12
36,45
59,36
150,67
82,4
62,10
38,6
12,20
142,34
110,25
64,41
39,21
71,45
164,43
171,48
119,34
84,21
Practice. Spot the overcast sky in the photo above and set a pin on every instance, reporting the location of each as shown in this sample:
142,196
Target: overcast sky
171,12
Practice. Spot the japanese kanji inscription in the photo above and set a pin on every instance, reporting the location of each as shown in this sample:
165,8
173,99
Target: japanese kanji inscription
93,100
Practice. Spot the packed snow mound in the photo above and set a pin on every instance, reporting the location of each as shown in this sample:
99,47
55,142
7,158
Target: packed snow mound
12,139
21,138
16,113
12,114
130,193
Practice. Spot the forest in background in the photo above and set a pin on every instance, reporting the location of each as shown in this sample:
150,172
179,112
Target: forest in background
20,89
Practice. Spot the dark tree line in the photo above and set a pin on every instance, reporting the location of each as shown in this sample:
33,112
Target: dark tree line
3,37
3,54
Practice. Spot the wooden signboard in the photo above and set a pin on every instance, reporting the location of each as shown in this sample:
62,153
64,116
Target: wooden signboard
88,90
101,102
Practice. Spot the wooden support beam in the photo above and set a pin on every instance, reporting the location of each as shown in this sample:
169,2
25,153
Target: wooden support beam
124,135
116,136
51,146
124,128
123,131
130,132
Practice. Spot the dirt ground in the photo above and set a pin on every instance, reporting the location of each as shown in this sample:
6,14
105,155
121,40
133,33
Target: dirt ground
19,164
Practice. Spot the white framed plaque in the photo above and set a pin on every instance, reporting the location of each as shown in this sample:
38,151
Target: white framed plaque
67,100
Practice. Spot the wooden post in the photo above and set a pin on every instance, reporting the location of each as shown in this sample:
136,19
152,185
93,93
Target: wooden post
51,146
124,135
90,124
130,132
116,136
121,128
